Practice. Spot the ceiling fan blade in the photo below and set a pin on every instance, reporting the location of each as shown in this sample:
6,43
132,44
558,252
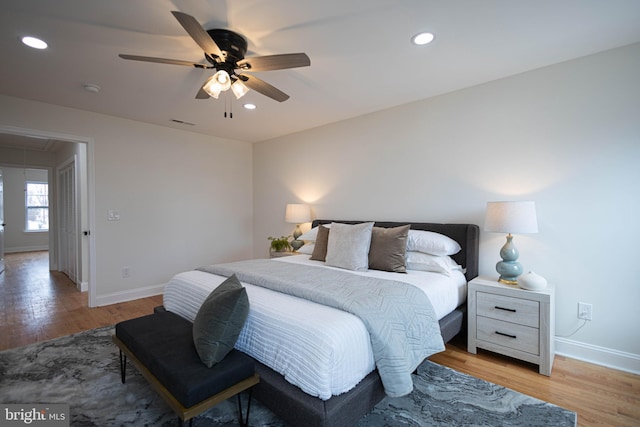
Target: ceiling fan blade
164,61
275,62
198,34
202,94
264,88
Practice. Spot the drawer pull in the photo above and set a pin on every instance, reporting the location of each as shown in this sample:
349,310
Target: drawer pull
497,307
506,335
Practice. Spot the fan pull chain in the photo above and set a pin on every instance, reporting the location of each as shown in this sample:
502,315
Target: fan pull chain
226,98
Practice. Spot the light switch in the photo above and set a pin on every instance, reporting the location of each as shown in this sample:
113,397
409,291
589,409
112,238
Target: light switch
113,215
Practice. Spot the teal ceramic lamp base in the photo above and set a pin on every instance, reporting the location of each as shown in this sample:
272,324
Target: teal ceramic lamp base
510,217
295,243
509,268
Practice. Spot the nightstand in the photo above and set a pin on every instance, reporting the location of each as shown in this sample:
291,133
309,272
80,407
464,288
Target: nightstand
512,321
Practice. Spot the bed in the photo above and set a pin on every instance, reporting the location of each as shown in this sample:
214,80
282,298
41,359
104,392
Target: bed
315,379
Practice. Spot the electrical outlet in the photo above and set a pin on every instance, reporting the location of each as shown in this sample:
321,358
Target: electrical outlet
126,272
113,215
585,311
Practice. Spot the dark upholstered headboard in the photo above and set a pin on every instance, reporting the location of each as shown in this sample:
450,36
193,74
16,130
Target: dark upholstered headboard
467,235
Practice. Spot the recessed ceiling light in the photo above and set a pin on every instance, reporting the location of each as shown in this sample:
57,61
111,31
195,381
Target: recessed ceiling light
422,38
34,42
250,106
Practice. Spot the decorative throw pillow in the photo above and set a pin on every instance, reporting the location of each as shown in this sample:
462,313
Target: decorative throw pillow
219,321
388,248
436,264
306,249
431,243
348,246
320,247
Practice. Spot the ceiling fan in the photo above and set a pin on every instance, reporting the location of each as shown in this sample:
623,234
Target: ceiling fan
224,51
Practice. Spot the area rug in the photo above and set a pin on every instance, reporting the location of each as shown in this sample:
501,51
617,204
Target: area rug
83,371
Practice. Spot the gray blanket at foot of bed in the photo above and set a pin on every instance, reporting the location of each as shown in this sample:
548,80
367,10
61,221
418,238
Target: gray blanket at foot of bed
399,317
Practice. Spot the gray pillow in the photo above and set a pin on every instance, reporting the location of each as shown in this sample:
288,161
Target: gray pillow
320,248
388,248
219,321
348,246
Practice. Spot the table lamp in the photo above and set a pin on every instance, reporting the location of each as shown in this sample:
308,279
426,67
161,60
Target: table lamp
297,213
510,217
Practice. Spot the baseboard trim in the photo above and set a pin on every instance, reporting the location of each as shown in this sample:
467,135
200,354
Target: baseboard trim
25,249
82,286
124,296
610,358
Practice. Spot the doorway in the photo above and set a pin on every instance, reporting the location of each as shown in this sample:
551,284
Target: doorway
70,245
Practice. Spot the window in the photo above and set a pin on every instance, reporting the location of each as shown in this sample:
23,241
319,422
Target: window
37,204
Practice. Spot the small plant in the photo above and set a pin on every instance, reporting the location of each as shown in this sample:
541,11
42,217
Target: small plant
280,244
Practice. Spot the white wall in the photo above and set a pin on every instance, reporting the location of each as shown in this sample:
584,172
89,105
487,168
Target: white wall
16,239
566,136
184,199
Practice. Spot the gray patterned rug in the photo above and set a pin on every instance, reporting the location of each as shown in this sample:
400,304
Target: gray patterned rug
83,371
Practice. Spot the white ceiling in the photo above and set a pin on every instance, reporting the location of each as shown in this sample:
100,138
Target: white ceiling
30,143
361,56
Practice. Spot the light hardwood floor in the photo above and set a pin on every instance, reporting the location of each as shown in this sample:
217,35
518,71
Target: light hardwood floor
39,305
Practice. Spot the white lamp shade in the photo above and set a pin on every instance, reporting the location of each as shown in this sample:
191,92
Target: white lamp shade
297,213
511,217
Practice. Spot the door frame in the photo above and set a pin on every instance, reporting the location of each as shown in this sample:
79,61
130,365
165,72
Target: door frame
89,239
1,221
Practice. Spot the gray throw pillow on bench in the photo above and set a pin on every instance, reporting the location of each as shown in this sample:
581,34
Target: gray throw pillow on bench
219,321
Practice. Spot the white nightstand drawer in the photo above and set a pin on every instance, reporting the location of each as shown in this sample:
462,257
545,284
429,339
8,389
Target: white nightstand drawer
515,310
518,337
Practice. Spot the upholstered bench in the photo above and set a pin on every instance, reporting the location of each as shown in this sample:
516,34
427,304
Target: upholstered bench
161,346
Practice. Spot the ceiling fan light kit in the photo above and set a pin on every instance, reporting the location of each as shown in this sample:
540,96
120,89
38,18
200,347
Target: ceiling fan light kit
224,51
239,89
212,87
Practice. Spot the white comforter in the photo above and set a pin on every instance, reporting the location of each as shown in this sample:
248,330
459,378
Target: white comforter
322,350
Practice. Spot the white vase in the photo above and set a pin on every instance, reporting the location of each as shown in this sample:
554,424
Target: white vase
532,281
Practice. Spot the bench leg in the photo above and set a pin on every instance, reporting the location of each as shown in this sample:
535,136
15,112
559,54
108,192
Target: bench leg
241,421
123,366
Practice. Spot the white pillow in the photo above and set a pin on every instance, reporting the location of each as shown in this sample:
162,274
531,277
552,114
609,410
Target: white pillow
348,246
306,249
436,264
431,243
312,234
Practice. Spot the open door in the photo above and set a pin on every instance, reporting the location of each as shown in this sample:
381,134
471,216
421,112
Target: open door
68,232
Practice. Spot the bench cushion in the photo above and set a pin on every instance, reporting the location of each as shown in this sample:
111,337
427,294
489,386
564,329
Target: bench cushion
163,342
